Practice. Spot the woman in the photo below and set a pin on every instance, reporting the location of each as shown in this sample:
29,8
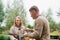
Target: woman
17,30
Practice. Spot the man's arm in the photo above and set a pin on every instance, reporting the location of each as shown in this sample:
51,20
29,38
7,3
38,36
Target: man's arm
29,30
38,30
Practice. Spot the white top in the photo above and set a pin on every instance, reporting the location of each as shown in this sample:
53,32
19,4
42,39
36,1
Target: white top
15,30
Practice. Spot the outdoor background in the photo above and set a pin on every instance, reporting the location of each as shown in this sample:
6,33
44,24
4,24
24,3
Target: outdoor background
9,9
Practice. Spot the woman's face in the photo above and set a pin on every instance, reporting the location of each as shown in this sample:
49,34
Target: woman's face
18,21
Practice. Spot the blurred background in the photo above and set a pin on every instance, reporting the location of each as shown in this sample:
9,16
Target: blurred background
9,9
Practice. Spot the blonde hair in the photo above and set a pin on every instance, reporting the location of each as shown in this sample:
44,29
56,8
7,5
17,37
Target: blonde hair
15,24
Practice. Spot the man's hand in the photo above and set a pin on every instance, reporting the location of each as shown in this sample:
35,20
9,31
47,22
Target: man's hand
25,35
29,30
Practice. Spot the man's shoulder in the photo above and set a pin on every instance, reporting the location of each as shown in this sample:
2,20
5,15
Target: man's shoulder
41,18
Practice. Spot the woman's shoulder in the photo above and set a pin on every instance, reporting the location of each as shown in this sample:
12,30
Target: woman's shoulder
12,27
23,27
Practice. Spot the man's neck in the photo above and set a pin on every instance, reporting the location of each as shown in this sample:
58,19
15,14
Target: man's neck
37,16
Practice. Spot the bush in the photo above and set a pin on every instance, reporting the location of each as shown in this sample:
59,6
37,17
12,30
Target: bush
4,37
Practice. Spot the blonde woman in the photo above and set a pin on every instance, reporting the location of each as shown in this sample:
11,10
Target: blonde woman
17,30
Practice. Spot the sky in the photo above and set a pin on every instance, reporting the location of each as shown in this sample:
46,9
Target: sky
43,6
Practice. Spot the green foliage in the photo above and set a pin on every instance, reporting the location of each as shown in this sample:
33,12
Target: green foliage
58,26
11,13
2,29
29,26
1,15
1,11
58,13
53,24
4,37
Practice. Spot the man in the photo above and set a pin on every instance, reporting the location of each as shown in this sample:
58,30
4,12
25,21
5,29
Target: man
41,30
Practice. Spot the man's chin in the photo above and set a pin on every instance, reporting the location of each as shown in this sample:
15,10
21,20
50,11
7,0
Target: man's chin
33,18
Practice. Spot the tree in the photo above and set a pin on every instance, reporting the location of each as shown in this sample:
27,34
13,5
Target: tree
22,13
1,15
58,13
58,26
12,12
1,12
48,15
